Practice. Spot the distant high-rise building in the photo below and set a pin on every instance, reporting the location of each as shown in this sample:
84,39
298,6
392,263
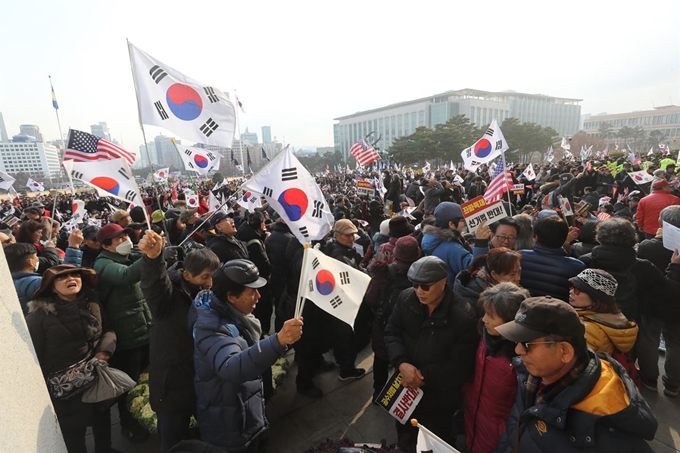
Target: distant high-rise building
3,130
266,134
166,152
31,130
142,158
101,130
37,159
249,137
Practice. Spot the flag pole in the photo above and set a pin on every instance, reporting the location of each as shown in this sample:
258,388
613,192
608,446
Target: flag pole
300,305
505,180
61,136
206,220
238,125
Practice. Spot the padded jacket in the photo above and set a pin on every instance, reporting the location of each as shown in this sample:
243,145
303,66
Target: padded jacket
441,243
546,271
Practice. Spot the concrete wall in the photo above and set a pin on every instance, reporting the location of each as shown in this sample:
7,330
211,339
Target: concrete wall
27,420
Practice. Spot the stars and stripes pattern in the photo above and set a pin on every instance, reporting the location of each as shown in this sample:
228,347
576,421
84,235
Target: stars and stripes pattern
84,147
501,181
363,152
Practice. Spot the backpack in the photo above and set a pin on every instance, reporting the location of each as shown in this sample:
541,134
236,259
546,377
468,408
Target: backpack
627,362
389,294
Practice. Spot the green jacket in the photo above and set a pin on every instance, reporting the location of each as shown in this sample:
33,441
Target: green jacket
121,295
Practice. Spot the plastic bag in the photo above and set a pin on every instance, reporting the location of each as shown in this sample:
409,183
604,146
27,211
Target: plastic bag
111,383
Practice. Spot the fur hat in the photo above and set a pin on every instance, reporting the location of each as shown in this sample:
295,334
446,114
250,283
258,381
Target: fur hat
399,227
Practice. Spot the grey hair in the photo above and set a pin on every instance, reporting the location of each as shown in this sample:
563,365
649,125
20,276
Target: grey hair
616,231
503,299
525,238
671,215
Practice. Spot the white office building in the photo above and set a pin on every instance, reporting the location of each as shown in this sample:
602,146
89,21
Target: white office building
34,158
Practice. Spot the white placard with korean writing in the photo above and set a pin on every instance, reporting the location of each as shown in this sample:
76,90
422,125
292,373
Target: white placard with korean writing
478,211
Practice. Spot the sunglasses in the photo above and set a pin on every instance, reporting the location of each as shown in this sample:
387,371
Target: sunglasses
526,344
575,290
423,286
66,276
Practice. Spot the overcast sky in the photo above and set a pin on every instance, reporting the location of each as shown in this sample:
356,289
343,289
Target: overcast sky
296,65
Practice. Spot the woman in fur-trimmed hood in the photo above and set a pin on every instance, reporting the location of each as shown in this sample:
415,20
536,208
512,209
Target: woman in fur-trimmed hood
66,326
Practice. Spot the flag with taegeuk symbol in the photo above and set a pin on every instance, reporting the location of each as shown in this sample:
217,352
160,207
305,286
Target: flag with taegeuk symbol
200,160
332,285
486,149
162,174
34,185
169,99
294,194
111,178
84,147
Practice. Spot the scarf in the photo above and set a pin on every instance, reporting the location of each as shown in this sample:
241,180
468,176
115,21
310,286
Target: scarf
249,321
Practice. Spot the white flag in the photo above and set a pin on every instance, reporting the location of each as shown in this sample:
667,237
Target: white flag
429,443
6,180
650,152
565,206
198,159
486,149
249,201
451,167
565,143
169,99
12,193
333,286
213,202
34,185
529,172
640,177
191,198
110,178
426,168
162,173
294,194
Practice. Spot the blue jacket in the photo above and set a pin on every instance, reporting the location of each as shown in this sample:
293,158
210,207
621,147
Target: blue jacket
582,417
546,271
228,383
441,243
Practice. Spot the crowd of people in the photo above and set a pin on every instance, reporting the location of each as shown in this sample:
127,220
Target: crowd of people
536,332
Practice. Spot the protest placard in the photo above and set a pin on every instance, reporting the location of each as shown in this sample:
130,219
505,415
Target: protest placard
477,211
365,188
396,399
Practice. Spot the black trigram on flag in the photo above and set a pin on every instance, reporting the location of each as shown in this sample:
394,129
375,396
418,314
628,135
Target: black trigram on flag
336,302
311,286
210,156
288,174
267,192
161,110
315,263
304,232
123,173
344,278
2,179
188,152
499,144
130,195
209,127
77,174
210,94
489,132
190,164
468,152
157,73
318,207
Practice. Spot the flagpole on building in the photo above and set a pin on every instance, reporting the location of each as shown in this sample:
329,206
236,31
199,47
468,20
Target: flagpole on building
238,126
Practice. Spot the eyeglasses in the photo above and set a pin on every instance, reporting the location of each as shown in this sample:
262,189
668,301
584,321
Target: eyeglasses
66,276
575,290
506,238
423,286
526,344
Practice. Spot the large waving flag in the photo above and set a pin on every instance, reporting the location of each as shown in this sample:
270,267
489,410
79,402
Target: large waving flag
84,147
363,152
294,194
34,185
110,178
640,177
486,149
333,286
169,99
198,159
6,180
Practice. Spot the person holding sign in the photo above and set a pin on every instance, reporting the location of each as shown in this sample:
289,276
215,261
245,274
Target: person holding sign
431,338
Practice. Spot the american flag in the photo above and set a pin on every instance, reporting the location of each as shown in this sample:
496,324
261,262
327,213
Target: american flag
363,152
84,147
500,183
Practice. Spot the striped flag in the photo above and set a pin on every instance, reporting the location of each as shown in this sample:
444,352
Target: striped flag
363,152
501,181
84,147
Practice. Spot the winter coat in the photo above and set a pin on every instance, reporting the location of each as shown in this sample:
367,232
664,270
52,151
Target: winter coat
442,243
89,256
48,257
654,251
650,207
577,249
229,362
469,285
171,346
602,411
255,247
386,250
442,345
275,245
546,271
227,248
649,296
121,296
432,199
64,333
393,194
489,397
26,284
607,332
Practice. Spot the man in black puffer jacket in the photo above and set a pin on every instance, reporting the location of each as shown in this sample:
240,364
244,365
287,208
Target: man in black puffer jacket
275,246
169,294
224,243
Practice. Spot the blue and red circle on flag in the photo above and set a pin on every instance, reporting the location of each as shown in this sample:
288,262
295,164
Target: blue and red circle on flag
325,282
201,161
482,148
108,184
294,202
639,178
184,102
246,196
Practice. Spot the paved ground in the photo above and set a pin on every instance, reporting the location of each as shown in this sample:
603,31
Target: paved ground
346,410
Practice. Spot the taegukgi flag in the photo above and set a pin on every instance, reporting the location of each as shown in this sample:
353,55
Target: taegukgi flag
529,172
202,161
333,286
249,201
6,180
110,178
169,99
640,177
294,194
486,149
162,173
34,185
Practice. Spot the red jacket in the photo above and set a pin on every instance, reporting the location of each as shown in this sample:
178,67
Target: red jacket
488,399
650,207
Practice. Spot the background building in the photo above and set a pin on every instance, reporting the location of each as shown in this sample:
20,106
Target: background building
481,107
3,130
166,153
101,130
664,119
39,160
31,130
266,134
249,137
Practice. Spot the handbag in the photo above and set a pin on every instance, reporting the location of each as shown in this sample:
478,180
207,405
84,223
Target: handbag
73,380
111,384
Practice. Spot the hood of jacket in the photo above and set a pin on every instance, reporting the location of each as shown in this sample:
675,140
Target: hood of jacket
44,304
433,236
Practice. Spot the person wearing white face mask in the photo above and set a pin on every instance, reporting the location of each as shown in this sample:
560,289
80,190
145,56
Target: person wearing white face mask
120,293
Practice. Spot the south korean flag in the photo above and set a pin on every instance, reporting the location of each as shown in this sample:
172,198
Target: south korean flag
169,99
